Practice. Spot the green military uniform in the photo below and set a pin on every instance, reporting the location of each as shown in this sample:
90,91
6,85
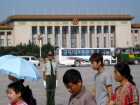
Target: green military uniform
50,73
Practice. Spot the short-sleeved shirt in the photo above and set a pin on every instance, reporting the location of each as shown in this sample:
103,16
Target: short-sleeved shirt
83,98
47,67
102,80
19,103
126,95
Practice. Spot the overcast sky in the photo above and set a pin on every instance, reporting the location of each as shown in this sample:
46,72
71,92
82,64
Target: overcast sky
14,7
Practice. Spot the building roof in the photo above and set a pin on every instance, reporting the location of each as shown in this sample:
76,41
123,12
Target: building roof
70,17
5,26
135,25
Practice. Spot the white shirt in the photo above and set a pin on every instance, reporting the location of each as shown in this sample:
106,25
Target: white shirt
47,67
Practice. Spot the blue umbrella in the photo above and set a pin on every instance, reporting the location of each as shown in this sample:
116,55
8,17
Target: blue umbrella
5,58
18,67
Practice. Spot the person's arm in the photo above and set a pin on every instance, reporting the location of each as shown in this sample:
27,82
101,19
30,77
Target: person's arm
94,90
108,85
45,74
94,85
110,92
135,104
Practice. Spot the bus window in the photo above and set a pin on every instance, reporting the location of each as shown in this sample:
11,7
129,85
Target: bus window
100,51
97,51
68,52
92,51
88,52
82,52
75,53
64,53
78,52
107,52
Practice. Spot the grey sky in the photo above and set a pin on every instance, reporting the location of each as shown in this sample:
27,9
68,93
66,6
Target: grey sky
14,7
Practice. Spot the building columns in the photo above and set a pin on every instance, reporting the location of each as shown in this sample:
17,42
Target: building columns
69,37
60,38
88,36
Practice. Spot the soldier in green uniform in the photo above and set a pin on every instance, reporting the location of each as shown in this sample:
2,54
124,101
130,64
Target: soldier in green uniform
50,77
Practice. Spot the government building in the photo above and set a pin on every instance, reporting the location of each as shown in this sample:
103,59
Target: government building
71,31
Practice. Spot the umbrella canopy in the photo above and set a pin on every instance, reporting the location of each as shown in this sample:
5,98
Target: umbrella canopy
18,67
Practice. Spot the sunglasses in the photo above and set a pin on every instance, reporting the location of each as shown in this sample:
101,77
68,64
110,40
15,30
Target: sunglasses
50,55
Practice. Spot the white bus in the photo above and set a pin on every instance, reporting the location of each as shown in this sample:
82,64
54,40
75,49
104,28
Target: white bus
80,56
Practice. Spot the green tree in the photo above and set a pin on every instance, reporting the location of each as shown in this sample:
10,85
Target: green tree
46,48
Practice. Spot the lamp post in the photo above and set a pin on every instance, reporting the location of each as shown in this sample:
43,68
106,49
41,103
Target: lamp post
40,45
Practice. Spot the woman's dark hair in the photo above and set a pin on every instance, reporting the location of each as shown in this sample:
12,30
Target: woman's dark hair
28,96
17,87
125,71
72,76
97,57
26,92
21,80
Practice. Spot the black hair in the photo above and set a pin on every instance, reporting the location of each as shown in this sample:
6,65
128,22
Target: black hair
20,80
72,76
97,57
125,71
26,93
28,96
17,87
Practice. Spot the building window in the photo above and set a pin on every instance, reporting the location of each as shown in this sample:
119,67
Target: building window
1,42
106,29
9,33
84,29
42,30
64,36
104,42
136,31
34,30
57,32
2,33
97,42
112,29
74,32
65,29
83,34
92,29
49,30
99,29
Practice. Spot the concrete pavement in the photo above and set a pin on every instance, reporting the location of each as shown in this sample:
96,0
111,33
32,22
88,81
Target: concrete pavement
61,93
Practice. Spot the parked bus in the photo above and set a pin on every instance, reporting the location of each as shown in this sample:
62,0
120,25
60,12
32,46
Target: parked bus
80,56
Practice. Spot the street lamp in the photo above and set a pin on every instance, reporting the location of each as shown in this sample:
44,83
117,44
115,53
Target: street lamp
40,45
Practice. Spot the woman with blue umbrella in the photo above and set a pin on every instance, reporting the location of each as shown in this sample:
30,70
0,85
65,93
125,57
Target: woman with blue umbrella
18,67
18,70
